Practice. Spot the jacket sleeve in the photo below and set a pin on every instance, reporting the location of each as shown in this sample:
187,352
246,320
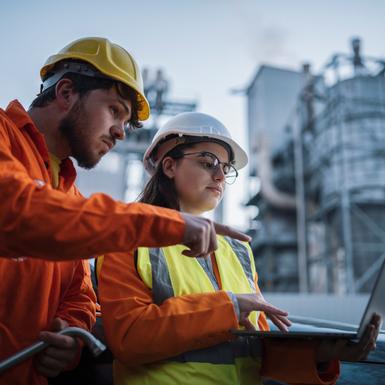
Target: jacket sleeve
39,221
78,304
139,331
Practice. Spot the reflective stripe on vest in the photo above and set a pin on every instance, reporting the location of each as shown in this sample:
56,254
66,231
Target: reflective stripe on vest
224,353
208,268
168,273
162,289
243,256
161,282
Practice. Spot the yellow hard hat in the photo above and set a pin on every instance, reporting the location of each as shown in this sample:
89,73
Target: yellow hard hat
110,59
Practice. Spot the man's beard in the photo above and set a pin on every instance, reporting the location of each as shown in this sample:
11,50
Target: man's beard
74,127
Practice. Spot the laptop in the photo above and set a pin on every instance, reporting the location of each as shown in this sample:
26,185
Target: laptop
376,304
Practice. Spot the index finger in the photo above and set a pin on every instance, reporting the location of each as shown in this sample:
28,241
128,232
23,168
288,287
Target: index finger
281,322
270,309
230,232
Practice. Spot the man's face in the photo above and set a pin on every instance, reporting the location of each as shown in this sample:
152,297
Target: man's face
93,125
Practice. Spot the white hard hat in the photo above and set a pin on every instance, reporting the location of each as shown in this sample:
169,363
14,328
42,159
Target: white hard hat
189,124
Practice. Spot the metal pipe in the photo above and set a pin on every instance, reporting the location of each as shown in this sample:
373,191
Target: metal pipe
303,271
96,347
345,199
274,196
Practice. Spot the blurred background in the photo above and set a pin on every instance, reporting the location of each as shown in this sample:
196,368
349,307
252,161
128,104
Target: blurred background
301,87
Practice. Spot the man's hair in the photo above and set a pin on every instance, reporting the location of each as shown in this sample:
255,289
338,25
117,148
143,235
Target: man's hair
84,84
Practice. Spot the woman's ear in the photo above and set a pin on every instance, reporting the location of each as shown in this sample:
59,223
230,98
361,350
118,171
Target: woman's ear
169,166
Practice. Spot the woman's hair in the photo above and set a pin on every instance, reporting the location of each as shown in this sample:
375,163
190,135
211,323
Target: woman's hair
160,189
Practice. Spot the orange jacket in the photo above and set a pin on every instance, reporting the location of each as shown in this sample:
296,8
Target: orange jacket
38,221
139,331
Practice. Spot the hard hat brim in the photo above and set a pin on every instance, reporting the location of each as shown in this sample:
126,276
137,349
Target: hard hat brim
240,157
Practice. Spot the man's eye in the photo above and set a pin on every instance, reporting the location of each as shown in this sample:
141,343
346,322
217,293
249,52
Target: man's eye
114,111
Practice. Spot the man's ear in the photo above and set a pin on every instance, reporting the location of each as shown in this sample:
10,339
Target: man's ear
169,166
65,94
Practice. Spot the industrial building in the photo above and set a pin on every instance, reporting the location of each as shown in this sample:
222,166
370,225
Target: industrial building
317,144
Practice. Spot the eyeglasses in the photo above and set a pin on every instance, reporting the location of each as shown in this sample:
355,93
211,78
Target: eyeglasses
211,163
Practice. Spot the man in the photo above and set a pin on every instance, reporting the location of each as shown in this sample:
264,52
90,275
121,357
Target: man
92,90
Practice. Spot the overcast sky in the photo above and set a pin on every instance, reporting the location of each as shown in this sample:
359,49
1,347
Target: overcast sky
206,47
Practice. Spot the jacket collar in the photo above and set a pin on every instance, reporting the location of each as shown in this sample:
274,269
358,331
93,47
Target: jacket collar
23,122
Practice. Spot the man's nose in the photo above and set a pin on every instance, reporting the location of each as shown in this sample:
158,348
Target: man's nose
118,132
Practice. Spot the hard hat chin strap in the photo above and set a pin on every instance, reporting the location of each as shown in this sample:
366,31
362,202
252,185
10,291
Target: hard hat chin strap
63,68
165,147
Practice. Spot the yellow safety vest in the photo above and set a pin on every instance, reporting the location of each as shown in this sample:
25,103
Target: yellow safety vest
168,274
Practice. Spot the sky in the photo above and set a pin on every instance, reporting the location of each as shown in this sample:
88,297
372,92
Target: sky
207,48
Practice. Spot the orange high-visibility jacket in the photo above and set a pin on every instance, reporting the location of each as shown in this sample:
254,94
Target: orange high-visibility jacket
60,227
140,332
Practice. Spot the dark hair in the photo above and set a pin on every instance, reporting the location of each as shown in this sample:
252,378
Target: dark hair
84,84
160,189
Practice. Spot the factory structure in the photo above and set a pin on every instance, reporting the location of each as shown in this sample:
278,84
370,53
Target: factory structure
317,174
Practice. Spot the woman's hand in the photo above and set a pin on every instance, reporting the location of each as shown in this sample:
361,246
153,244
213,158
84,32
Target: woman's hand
345,350
255,302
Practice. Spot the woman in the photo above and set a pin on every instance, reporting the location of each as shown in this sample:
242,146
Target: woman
168,317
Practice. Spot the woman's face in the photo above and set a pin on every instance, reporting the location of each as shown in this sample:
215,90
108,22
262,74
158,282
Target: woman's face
199,186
